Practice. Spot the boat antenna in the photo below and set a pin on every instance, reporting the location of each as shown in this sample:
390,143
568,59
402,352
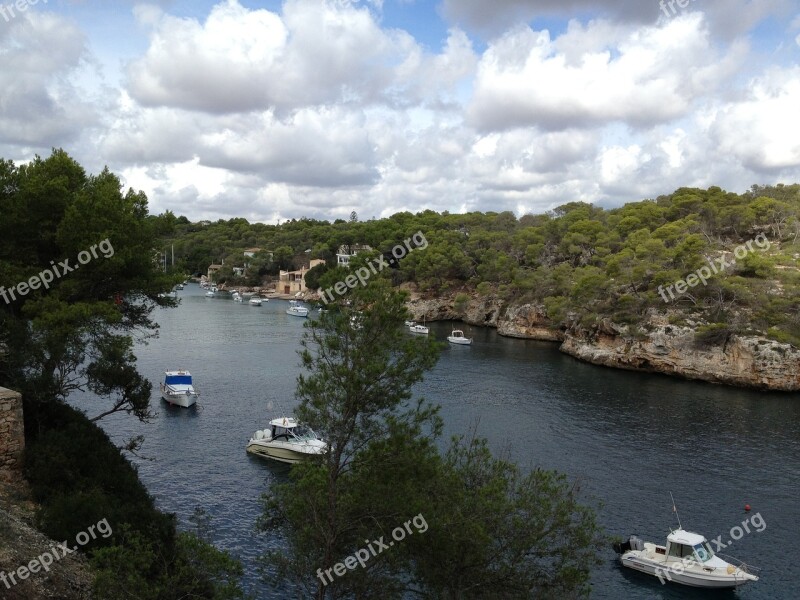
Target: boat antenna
675,510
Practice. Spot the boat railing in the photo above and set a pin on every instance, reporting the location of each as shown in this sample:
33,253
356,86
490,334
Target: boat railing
740,564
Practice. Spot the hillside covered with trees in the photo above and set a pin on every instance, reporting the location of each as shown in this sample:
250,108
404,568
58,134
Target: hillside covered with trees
582,263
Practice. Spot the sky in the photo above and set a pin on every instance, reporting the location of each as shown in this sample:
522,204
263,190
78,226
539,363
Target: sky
274,110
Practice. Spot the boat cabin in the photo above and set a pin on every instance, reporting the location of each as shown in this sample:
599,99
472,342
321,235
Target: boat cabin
177,378
684,545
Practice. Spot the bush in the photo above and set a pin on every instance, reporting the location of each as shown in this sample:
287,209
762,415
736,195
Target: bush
460,302
80,478
716,334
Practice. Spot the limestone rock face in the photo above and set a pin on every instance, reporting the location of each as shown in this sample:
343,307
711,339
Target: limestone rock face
751,361
477,310
743,361
528,321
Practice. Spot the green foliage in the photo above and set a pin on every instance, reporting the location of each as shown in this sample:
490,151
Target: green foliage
716,334
80,478
491,526
577,259
485,523
73,333
460,302
313,276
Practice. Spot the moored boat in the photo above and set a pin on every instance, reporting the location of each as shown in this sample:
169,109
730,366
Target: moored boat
255,301
286,440
178,389
296,309
686,559
421,329
457,337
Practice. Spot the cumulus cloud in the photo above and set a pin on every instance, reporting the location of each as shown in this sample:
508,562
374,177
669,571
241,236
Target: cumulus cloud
596,74
763,130
319,108
313,53
316,147
39,104
728,19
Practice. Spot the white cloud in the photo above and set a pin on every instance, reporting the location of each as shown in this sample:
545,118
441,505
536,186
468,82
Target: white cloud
728,19
320,109
641,76
313,53
763,130
39,103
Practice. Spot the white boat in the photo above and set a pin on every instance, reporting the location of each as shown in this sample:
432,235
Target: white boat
409,323
287,441
686,559
209,294
296,309
457,337
178,389
419,329
255,301
237,297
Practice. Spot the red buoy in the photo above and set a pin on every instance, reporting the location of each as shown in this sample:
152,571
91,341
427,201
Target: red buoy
746,508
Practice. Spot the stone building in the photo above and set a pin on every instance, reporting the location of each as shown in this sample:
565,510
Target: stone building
12,432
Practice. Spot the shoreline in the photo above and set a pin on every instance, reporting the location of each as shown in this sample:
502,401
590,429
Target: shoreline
750,362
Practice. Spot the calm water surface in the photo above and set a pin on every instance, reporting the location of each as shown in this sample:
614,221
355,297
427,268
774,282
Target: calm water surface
629,438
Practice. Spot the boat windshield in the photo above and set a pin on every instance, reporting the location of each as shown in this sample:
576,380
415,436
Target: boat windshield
704,552
302,432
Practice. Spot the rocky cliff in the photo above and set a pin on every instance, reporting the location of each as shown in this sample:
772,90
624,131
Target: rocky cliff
69,578
744,361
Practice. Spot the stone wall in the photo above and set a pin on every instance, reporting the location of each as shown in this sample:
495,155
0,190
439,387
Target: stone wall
12,431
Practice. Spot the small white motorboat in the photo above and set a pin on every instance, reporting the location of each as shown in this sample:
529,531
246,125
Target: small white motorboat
287,441
296,309
457,337
255,301
686,559
237,297
419,329
177,388
409,323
